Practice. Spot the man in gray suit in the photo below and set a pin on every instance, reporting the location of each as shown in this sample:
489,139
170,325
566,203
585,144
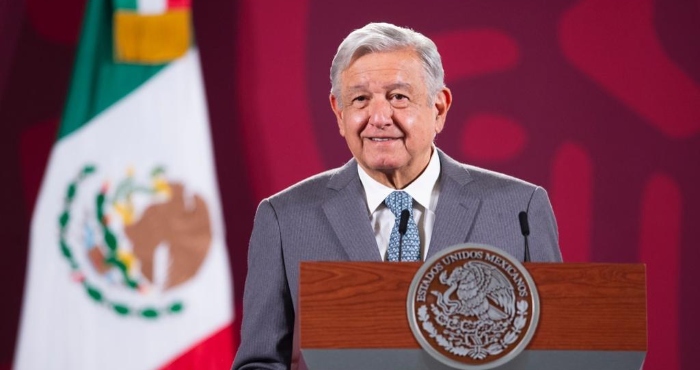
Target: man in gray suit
390,102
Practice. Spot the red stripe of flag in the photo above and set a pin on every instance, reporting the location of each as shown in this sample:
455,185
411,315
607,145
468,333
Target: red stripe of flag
212,353
178,4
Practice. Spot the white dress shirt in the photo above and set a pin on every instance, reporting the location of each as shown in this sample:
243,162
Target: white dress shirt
425,192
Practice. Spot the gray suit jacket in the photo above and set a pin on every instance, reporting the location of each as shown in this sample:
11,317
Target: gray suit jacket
325,218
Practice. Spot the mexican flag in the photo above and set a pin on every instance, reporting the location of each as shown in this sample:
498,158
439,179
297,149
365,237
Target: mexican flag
128,266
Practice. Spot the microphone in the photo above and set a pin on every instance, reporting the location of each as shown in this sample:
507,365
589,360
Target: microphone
525,230
403,226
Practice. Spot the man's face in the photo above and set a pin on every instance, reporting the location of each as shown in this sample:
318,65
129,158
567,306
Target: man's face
387,117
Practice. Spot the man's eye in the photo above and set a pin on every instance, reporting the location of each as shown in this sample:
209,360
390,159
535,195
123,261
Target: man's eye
359,101
399,99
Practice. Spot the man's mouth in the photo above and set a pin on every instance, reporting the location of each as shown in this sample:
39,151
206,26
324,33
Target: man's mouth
382,139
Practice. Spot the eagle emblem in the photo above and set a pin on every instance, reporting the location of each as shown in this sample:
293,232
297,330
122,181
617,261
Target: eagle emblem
130,244
481,291
473,307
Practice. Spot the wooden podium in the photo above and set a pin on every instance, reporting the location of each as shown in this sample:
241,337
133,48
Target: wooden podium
352,315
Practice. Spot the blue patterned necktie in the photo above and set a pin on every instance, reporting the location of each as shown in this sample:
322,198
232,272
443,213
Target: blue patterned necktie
409,247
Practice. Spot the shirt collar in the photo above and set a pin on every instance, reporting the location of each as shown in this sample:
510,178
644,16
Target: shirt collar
421,189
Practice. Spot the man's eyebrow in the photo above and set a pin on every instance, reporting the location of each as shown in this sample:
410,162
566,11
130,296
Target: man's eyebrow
393,86
398,85
354,88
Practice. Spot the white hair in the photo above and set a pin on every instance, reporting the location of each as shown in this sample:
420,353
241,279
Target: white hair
385,37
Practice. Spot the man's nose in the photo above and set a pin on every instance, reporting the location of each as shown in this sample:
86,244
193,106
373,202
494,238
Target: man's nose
380,113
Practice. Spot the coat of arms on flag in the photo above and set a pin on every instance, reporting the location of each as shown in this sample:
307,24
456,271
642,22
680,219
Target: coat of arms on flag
133,238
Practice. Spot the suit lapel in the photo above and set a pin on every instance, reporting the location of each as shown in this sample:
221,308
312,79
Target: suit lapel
457,208
346,211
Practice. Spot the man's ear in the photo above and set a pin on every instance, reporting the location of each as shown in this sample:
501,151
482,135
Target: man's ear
442,104
337,110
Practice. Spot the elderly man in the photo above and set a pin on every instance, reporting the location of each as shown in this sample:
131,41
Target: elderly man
390,102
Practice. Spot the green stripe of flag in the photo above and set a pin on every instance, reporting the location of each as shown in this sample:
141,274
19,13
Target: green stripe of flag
98,82
126,4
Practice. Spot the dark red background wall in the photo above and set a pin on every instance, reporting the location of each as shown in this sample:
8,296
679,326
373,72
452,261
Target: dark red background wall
597,100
